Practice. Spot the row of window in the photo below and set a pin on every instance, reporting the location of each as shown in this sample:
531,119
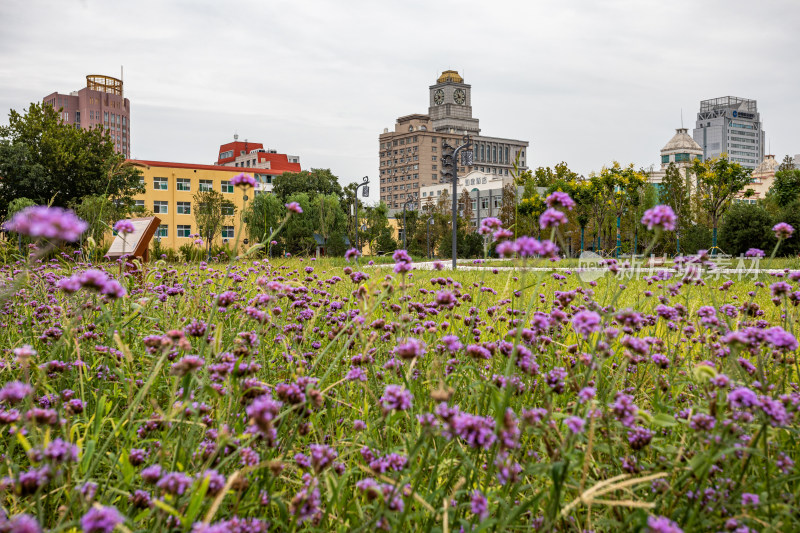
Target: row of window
185,184
680,158
184,230
161,207
407,186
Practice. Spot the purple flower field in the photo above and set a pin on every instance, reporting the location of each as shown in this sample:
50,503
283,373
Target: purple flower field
296,394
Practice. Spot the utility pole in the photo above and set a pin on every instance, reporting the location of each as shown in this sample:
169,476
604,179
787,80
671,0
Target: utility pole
365,193
449,172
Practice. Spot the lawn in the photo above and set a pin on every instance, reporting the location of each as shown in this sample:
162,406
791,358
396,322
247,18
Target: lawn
296,394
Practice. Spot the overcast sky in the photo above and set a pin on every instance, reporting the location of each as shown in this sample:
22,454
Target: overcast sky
584,81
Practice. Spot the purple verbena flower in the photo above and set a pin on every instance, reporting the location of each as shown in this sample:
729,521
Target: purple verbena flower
124,226
396,397
243,180
49,222
559,198
586,322
662,524
294,207
479,505
783,230
575,424
552,218
660,217
101,520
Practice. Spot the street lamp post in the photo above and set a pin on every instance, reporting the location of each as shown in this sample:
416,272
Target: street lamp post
449,171
364,183
405,205
430,223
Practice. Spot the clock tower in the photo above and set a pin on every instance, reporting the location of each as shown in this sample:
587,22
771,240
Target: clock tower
450,105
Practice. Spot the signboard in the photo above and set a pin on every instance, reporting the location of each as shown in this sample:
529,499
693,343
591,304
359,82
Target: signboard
466,158
135,244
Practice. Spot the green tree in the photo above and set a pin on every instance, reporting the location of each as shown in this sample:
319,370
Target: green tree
530,208
547,177
620,188
584,198
697,237
746,226
45,160
18,204
508,208
329,221
787,163
298,234
465,208
718,182
311,182
263,214
785,187
100,213
378,229
211,212
791,215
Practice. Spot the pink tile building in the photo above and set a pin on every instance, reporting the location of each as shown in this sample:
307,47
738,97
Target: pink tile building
101,104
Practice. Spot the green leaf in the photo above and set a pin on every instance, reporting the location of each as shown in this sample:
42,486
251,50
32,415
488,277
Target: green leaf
196,501
664,420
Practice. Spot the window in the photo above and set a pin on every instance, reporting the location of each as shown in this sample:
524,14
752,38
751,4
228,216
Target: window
681,157
184,208
160,207
226,185
184,230
139,204
160,184
665,159
105,116
227,210
162,231
206,185
227,232
184,184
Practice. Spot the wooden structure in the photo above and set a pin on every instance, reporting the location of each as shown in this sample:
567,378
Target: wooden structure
136,244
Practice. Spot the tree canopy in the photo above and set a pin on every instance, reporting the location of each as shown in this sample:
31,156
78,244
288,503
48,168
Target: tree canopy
311,182
718,181
45,160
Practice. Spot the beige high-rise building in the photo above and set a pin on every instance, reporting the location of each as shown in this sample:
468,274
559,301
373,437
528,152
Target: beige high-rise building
409,155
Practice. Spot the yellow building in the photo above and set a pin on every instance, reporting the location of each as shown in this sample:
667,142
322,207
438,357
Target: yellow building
170,188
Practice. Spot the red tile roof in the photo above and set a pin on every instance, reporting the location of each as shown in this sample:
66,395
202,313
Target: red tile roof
236,170
278,162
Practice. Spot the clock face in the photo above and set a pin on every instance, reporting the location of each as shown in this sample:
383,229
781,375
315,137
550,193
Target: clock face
459,96
438,97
